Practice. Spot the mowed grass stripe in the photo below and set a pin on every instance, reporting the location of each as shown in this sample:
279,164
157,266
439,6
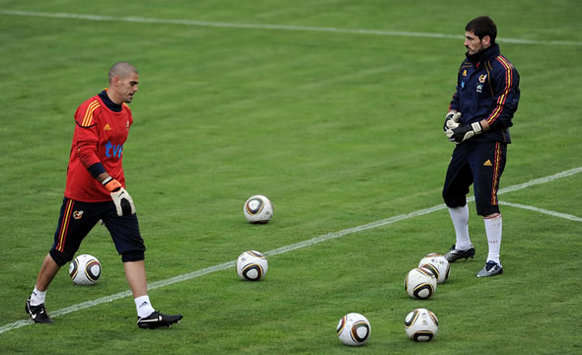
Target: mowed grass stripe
252,26
285,249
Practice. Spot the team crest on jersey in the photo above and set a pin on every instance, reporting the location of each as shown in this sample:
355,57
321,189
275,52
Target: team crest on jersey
78,214
465,72
482,78
107,127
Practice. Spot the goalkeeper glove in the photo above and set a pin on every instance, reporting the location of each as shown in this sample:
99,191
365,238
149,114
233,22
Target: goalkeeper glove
121,199
451,120
462,133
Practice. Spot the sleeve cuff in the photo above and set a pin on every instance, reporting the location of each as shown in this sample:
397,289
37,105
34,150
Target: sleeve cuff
96,169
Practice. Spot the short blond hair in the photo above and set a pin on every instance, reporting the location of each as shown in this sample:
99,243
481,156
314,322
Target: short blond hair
121,69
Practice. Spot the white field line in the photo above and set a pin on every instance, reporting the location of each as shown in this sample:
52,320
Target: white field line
542,210
282,250
184,22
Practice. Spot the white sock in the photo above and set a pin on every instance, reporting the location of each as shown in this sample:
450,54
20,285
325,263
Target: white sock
143,306
493,228
37,297
460,218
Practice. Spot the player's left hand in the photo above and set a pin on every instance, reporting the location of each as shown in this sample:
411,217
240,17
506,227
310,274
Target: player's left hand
462,133
123,202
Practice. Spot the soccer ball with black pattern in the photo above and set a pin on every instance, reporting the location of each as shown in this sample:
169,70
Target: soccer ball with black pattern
353,329
420,283
85,270
438,265
421,325
252,265
258,209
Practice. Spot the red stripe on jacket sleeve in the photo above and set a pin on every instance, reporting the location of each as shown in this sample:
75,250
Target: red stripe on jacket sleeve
503,97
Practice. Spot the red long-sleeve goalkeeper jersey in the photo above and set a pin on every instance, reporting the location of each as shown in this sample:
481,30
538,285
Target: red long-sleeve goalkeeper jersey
99,136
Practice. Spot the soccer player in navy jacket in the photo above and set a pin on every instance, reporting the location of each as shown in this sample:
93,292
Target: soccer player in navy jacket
478,121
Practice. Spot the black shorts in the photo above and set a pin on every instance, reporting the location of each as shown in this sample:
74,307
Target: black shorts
78,218
480,164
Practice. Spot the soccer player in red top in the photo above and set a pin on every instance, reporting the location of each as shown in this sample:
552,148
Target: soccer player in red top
95,190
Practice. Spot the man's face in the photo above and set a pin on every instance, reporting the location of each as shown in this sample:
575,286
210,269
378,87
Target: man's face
127,86
474,44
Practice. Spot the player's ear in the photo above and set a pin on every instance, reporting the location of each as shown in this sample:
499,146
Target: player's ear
115,80
486,40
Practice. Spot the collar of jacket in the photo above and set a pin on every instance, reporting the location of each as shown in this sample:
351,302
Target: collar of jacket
107,101
485,55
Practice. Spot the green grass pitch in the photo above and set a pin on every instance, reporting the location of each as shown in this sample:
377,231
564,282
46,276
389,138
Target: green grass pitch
339,128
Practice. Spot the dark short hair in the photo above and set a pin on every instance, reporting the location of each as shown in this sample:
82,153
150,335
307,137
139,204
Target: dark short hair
483,26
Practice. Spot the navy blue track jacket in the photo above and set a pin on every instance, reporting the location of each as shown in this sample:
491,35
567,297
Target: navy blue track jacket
487,88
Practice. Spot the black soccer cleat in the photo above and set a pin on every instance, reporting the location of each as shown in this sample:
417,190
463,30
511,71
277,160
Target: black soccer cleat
37,313
158,320
491,268
454,254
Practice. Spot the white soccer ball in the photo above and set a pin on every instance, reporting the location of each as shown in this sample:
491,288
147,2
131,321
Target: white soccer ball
251,265
258,209
440,266
85,269
353,329
421,325
420,283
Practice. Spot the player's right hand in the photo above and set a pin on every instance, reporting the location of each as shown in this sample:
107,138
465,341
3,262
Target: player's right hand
451,120
123,202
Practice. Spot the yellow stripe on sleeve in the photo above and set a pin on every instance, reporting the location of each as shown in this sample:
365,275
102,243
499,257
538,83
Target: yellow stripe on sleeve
88,118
